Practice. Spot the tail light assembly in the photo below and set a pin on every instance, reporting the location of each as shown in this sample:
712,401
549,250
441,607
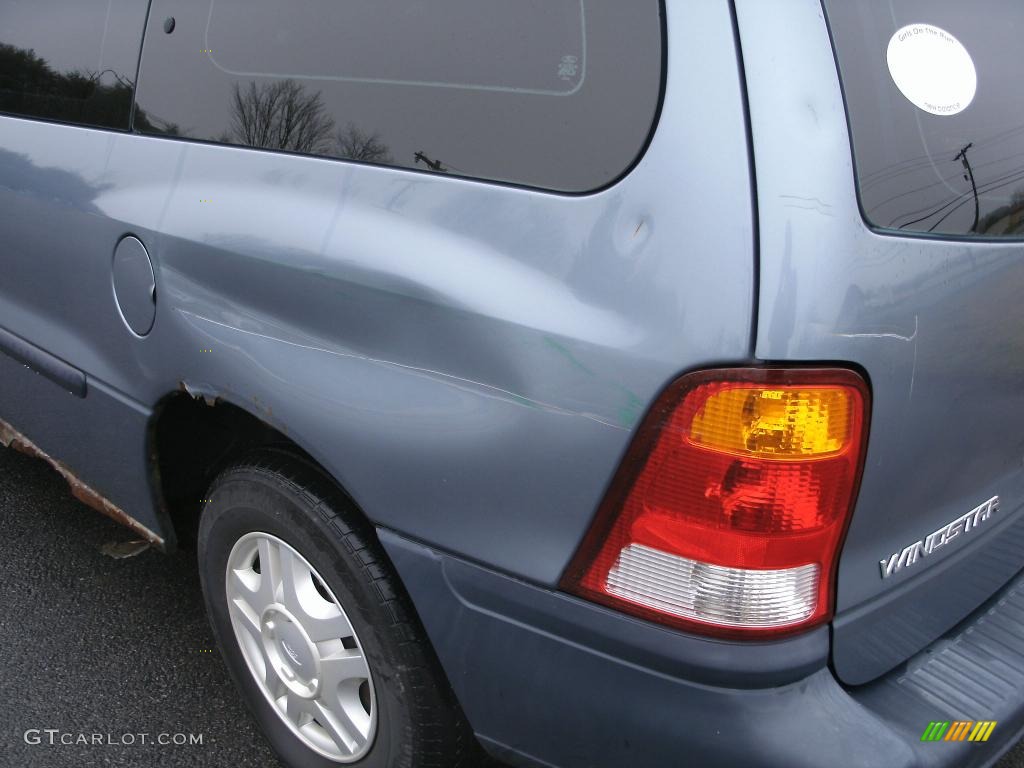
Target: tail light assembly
728,512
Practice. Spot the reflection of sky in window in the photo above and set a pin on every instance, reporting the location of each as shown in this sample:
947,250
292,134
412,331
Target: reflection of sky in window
481,43
73,34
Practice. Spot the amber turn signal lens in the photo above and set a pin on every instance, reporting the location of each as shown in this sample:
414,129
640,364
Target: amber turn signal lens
784,423
728,513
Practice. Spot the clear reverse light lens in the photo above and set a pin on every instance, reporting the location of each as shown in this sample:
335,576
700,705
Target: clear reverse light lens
727,514
715,594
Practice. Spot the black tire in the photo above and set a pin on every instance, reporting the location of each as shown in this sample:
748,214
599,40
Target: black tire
419,723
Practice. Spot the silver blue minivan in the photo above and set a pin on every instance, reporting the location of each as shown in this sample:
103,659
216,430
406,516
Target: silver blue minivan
572,383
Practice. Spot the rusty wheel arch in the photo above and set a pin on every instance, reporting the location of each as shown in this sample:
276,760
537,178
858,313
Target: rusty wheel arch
15,440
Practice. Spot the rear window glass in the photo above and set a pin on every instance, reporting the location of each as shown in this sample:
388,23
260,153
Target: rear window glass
936,113
70,60
559,94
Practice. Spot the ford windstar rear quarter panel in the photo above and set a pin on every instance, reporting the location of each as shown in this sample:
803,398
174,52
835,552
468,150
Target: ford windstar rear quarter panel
935,323
468,360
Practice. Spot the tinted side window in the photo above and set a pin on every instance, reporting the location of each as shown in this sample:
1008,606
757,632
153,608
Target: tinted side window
930,156
559,94
70,60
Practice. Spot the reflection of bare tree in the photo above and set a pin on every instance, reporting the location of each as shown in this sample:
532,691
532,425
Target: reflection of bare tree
354,144
280,115
284,115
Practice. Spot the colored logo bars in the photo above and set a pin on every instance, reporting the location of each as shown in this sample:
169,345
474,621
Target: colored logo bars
958,730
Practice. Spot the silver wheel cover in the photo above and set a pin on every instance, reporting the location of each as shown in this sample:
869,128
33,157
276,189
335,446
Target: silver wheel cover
300,647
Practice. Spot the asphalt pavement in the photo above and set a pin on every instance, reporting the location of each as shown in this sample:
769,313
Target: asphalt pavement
115,653
95,646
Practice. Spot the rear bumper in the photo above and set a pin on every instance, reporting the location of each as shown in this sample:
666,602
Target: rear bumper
546,679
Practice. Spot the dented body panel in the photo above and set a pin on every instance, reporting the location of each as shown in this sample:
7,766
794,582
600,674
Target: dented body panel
468,360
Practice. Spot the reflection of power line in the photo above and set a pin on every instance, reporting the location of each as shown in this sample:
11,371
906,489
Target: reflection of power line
437,165
122,80
962,157
942,180
989,186
921,162
1019,177
434,165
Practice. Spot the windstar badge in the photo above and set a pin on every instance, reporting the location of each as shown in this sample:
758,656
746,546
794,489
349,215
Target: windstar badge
962,525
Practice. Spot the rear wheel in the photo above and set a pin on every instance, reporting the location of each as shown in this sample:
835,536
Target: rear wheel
315,627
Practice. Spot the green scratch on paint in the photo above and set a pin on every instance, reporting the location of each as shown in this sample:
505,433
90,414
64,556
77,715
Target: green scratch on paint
561,349
628,413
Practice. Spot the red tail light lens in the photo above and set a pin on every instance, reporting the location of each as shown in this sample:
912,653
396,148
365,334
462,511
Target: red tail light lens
728,512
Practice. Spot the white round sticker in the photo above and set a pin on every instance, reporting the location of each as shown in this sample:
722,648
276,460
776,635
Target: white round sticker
932,69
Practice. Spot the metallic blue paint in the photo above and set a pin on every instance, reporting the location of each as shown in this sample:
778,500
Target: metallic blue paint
467,359
935,324
470,360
